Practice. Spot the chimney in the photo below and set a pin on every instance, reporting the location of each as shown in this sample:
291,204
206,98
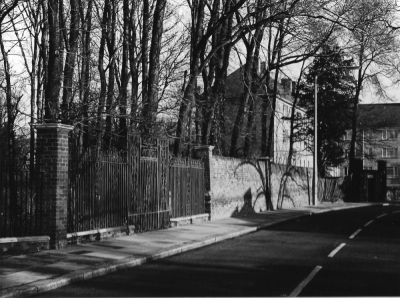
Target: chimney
294,86
287,86
263,67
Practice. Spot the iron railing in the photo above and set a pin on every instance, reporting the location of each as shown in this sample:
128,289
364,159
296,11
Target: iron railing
98,193
186,187
111,189
21,205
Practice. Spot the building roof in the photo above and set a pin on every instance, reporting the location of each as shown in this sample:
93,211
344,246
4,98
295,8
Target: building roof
234,87
379,115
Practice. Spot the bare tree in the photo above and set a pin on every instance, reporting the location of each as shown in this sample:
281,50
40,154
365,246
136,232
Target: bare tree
375,49
54,78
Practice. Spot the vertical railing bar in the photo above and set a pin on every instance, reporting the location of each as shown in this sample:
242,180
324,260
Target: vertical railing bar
112,174
124,203
84,193
19,196
114,186
92,185
8,201
25,175
2,201
81,163
109,175
91,181
88,199
77,194
40,190
29,205
1,198
88,186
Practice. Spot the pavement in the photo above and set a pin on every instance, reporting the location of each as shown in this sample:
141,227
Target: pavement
34,273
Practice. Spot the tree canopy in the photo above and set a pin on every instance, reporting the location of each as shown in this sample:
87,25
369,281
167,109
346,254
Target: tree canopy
336,89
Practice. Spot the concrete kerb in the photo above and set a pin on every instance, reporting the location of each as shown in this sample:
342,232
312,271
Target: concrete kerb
129,262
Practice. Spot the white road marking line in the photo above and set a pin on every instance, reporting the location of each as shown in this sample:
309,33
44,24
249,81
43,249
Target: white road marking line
398,211
355,233
386,204
301,286
368,223
382,215
336,250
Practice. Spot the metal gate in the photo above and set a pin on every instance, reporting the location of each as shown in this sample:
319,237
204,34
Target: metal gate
186,187
148,161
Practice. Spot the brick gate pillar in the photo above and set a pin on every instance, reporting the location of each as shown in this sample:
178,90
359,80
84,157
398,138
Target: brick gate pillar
205,154
52,146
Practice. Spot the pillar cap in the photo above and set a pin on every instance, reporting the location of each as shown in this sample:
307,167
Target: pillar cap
208,147
263,158
52,125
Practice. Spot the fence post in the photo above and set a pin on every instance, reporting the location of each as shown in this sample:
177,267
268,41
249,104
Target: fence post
205,154
382,178
52,145
357,184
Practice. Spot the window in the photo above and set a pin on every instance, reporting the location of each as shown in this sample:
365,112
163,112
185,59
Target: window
285,136
389,152
347,136
368,134
388,134
368,152
367,168
346,171
392,172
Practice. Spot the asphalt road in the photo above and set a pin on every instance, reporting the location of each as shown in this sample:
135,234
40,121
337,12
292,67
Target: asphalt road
346,253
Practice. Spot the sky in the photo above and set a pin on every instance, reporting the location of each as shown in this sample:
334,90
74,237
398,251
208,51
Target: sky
367,95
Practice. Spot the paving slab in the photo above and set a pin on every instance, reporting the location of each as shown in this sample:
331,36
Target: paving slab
21,276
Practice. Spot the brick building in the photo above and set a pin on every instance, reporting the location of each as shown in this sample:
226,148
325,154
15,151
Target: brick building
378,138
284,103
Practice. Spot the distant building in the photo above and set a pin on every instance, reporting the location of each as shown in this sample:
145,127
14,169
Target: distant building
378,138
281,134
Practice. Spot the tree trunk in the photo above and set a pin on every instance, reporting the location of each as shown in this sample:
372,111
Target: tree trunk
255,83
11,154
102,74
352,152
271,132
151,103
70,61
133,60
186,106
54,70
86,75
45,57
241,113
188,97
111,76
123,92
145,59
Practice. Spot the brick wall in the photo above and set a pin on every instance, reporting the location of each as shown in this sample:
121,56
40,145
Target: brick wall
297,190
235,186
